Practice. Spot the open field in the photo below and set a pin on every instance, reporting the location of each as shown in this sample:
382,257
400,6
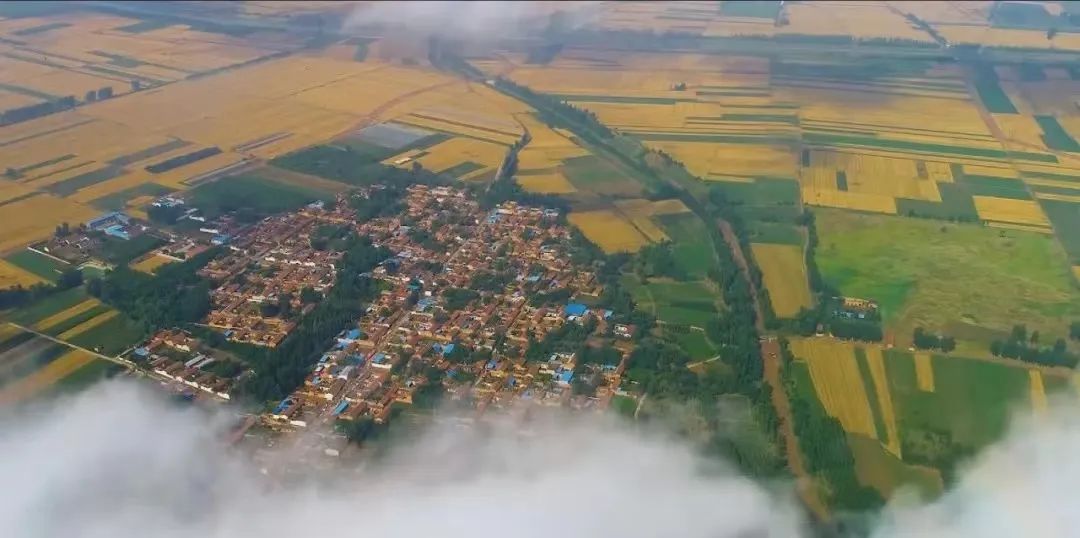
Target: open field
891,260
150,264
687,303
885,472
12,275
838,382
784,274
608,230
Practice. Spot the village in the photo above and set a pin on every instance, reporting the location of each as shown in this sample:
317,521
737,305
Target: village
462,307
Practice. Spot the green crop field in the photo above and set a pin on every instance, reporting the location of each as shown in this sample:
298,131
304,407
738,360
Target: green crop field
878,468
39,264
692,250
931,274
1065,216
591,173
48,306
111,337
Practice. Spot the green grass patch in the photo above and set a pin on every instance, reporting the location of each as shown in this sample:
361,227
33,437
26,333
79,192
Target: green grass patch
691,248
990,92
75,320
1055,136
48,306
760,192
626,99
591,173
956,204
1002,187
120,252
41,265
694,343
774,232
971,402
118,200
927,273
881,470
679,303
624,405
1065,216
111,337
871,395
144,26
767,118
40,28
462,169
251,196
70,186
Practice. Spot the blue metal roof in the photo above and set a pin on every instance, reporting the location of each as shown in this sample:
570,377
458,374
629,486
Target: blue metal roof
576,309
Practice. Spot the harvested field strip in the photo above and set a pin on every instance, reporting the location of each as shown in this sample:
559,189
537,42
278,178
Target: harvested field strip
54,319
871,395
621,99
44,179
1020,227
835,375
1009,210
468,125
88,324
57,302
649,229
924,147
19,198
46,132
878,127
23,360
876,364
924,372
608,230
71,185
43,378
660,136
29,92
455,131
76,320
1038,391
12,275
42,164
1074,198
152,151
884,90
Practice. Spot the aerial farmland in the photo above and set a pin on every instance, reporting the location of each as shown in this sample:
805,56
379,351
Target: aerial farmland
835,244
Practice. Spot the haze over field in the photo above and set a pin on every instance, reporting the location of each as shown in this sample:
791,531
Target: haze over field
117,461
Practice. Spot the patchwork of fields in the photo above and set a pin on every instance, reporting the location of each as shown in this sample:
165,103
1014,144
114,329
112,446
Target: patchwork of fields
909,415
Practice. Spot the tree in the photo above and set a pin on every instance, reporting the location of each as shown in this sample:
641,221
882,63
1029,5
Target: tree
1074,330
1051,32
308,295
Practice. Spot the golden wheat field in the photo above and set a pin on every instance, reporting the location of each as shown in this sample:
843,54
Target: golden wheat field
608,230
837,381
64,315
784,274
924,372
42,378
876,364
151,263
11,276
874,203
88,324
1038,391
1008,210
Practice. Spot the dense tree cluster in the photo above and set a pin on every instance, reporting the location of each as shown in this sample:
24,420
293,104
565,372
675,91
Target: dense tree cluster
1024,346
925,340
173,296
19,296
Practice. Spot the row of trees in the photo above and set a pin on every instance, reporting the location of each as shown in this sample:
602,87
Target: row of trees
18,296
1024,346
926,340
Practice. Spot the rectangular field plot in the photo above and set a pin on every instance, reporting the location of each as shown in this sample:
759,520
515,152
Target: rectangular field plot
891,259
608,230
784,274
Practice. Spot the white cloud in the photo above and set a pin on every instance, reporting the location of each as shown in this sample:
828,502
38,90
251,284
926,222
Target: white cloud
117,462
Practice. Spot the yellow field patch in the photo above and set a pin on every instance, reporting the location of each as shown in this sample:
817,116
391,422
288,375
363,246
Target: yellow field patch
1021,227
608,230
1038,390
60,317
876,364
1018,128
1010,210
88,324
924,372
669,207
784,273
555,183
876,203
837,381
41,379
12,275
869,174
150,263
1060,197
36,218
1076,271
649,229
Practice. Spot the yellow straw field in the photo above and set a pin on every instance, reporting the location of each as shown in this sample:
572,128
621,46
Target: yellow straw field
784,274
837,381
151,263
924,372
1038,390
64,315
41,379
876,363
88,324
11,276
1010,210
608,230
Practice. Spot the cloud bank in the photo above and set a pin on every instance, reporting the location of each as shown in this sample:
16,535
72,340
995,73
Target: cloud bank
476,20
118,462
